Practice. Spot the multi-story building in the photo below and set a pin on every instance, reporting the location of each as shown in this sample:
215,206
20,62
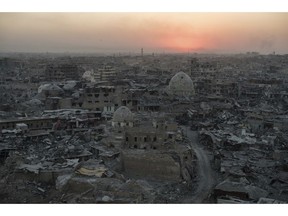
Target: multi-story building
63,72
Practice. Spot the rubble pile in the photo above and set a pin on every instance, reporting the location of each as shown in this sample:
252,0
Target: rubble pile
159,128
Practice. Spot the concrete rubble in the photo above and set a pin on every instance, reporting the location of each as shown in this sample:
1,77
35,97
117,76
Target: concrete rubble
139,129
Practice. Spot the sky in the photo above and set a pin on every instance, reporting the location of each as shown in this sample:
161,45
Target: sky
103,32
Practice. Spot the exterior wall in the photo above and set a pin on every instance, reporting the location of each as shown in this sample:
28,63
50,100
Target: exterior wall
122,124
151,165
165,126
148,140
33,124
130,102
109,109
53,73
102,98
153,108
65,71
105,74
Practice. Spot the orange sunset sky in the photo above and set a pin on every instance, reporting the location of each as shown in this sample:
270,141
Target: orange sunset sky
155,32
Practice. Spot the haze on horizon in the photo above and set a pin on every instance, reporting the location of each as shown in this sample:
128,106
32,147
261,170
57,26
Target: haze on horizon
154,32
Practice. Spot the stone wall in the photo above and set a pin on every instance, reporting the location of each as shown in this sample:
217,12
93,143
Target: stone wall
150,165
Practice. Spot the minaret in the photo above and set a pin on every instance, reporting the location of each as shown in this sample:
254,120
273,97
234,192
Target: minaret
141,52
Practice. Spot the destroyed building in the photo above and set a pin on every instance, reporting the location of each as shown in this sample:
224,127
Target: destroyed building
135,130
63,72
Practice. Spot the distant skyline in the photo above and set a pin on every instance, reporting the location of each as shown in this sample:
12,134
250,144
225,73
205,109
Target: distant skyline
154,32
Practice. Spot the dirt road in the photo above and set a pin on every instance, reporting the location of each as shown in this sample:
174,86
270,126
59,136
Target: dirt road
205,174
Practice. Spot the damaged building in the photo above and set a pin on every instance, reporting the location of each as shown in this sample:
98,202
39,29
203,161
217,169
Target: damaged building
159,128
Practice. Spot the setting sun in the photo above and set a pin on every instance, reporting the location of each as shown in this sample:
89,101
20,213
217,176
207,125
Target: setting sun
182,44
155,32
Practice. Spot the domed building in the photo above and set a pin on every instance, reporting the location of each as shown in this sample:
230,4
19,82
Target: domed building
181,85
122,117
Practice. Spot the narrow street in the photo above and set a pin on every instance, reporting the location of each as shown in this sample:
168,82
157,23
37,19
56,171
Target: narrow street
205,177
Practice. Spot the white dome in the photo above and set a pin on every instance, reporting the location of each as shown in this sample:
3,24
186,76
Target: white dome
181,85
123,114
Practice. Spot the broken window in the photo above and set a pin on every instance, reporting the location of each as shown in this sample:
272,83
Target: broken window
135,139
155,139
127,139
145,139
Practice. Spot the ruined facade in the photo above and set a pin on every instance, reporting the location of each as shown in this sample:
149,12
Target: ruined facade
62,72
